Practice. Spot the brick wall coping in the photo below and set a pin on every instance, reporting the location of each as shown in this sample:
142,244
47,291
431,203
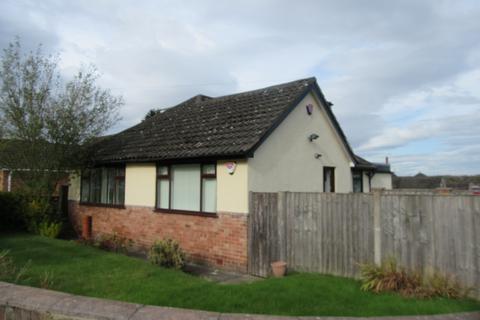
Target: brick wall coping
26,303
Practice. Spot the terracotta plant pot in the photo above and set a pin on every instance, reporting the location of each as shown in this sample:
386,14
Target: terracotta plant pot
279,268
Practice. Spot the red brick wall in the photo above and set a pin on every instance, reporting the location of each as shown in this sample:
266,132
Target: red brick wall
219,242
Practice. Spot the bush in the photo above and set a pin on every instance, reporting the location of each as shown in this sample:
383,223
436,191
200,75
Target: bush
112,242
25,212
167,253
387,277
390,277
12,211
50,229
38,213
445,286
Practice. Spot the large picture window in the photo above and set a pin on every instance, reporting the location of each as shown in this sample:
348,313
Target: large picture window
187,187
103,185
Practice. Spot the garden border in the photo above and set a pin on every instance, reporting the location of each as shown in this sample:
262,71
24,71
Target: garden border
27,303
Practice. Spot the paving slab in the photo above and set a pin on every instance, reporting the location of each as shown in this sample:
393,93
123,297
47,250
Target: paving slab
163,313
94,308
336,318
3,295
220,276
457,316
30,298
238,316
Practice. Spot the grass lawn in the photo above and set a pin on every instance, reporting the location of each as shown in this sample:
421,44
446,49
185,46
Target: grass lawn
91,272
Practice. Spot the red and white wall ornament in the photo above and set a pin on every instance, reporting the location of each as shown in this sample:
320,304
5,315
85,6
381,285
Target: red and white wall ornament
231,165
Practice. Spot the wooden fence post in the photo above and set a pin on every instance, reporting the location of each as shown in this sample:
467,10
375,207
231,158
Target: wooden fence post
281,225
250,217
377,228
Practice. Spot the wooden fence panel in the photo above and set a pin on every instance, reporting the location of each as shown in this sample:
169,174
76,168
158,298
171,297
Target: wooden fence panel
314,232
333,233
432,233
263,243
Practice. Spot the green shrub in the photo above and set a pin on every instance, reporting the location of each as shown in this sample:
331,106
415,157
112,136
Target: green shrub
439,285
50,229
12,211
113,242
167,253
26,212
390,277
38,211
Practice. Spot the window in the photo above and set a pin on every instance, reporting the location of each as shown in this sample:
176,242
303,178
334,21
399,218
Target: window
187,187
103,185
328,179
209,188
163,187
357,181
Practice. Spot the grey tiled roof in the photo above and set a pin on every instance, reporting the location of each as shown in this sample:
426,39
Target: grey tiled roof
204,127
363,164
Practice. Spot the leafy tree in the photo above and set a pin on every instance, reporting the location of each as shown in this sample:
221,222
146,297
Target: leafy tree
45,122
151,113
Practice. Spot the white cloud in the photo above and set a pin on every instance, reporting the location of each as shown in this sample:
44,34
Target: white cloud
397,72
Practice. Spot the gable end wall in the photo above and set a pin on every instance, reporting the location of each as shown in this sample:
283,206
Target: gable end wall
286,162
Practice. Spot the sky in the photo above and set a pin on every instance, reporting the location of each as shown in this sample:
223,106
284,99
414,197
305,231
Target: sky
404,76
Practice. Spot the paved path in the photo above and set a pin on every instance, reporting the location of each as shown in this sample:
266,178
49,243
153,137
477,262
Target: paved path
26,303
220,276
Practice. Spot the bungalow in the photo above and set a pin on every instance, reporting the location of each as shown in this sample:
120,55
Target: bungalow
186,172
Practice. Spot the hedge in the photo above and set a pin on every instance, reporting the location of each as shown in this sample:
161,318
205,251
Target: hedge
22,212
13,207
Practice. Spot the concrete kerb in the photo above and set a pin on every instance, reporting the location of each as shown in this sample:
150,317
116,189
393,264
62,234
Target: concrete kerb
93,308
20,302
28,298
165,313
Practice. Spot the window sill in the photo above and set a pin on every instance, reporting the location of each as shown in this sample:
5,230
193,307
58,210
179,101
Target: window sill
187,212
103,205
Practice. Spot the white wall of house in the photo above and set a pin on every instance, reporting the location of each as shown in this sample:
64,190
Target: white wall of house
382,181
286,161
366,185
140,181
232,189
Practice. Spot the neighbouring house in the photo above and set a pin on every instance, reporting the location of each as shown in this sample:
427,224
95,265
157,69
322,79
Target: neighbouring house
13,178
186,172
11,182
